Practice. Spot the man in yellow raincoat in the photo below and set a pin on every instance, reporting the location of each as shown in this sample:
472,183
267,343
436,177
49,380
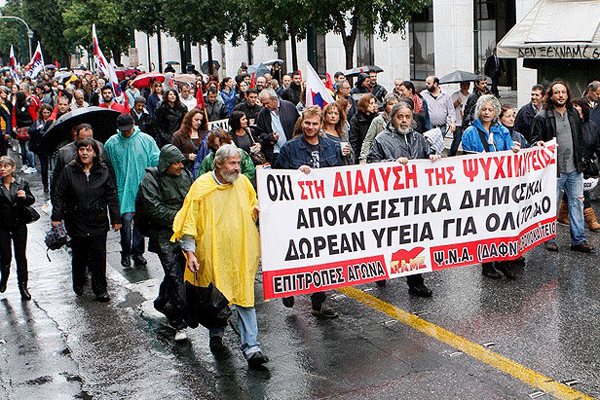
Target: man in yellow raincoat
216,230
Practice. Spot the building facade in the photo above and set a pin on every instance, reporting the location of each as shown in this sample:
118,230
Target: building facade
448,35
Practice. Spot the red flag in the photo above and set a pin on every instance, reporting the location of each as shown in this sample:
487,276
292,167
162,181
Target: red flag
253,80
200,98
329,83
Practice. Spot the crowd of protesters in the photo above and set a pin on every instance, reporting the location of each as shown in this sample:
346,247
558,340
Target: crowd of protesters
164,142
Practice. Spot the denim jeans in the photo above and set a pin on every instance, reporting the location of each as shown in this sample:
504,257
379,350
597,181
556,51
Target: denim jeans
132,241
248,331
572,184
27,156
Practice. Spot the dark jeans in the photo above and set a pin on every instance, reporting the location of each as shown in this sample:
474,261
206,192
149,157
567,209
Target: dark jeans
27,156
132,241
456,141
89,251
18,235
169,300
44,166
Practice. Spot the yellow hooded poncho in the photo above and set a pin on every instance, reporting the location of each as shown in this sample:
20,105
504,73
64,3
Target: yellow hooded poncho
220,218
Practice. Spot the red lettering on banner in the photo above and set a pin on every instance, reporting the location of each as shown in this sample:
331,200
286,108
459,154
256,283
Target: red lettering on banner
359,184
471,168
338,187
485,164
500,169
385,174
373,181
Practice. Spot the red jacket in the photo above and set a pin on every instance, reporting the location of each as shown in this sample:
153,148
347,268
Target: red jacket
116,106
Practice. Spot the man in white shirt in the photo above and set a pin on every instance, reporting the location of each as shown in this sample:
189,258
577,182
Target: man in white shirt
186,97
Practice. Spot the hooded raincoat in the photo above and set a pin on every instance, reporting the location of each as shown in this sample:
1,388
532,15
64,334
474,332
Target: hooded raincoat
130,157
227,241
162,198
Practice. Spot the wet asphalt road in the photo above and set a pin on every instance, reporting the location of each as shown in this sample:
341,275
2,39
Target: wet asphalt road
59,346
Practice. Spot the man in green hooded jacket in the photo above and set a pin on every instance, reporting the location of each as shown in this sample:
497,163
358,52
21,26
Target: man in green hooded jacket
162,192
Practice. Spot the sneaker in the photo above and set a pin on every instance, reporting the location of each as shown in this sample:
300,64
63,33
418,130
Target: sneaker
257,359
31,170
216,344
325,313
24,168
180,335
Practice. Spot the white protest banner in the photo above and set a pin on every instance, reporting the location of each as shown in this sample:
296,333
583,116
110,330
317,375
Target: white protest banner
343,226
222,123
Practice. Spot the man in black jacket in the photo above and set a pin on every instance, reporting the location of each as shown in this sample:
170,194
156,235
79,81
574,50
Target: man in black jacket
524,119
494,68
377,90
479,88
275,123
250,106
292,94
561,121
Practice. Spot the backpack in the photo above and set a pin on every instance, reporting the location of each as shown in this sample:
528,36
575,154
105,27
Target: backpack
140,218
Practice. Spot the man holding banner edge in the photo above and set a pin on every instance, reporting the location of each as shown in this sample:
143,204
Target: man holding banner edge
304,153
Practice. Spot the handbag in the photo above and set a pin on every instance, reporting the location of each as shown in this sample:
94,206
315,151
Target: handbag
256,154
206,306
28,213
22,134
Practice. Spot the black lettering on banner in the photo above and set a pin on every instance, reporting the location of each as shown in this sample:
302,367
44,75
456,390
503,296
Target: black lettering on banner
272,187
492,222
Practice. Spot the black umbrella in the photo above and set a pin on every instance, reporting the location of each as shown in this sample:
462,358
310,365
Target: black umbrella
204,66
102,120
258,69
364,69
458,76
172,63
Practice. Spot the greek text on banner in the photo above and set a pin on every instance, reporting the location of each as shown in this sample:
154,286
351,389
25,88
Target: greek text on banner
343,226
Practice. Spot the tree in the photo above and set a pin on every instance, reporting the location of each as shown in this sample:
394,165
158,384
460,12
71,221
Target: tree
146,16
112,26
205,20
348,17
283,19
46,20
13,33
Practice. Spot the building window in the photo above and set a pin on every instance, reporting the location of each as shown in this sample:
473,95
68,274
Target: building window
422,62
485,37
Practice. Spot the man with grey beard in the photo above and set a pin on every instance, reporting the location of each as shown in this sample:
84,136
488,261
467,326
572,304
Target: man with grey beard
216,229
399,142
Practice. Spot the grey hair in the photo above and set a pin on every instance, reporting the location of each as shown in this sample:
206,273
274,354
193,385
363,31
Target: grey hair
226,151
593,86
389,97
267,93
488,99
399,106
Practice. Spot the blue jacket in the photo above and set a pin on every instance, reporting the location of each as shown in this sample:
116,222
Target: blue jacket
471,141
296,152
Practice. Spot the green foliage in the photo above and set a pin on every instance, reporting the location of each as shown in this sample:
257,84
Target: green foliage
112,26
45,19
278,19
204,20
144,15
13,33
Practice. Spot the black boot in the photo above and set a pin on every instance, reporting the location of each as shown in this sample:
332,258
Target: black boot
5,270
24,292
488,269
